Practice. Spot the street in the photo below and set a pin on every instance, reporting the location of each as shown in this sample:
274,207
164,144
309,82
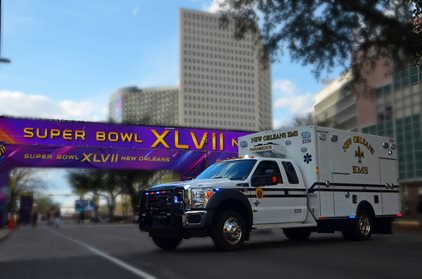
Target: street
122,251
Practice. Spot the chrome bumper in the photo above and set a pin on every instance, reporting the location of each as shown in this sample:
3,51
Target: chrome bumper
194,219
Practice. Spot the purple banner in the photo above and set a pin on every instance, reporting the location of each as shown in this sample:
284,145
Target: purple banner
90,134
183,162
71,144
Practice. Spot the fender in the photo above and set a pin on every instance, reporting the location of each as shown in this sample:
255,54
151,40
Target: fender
230,194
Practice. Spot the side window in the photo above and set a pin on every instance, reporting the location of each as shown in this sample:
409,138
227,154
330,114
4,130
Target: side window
267,170
290,172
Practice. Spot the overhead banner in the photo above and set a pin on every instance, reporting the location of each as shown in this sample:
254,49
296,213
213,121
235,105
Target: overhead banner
91,134
71,144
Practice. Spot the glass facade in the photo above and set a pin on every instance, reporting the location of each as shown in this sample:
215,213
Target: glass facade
399,116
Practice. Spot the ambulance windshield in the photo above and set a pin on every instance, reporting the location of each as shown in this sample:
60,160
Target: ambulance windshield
233,170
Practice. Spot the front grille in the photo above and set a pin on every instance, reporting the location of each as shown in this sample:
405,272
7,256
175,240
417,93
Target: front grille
162,208
163,201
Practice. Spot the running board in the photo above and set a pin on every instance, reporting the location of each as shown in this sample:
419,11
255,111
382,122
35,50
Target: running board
282,226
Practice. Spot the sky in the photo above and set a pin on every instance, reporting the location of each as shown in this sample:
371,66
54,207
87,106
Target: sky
68,57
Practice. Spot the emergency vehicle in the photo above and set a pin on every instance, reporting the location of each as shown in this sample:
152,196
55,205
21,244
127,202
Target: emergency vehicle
302,180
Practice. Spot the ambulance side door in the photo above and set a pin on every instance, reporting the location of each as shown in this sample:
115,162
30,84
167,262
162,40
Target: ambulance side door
326,194
295,192
268,201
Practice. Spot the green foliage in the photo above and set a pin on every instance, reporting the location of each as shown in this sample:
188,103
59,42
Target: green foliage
302,120
109,184
23,180
44,203
327,34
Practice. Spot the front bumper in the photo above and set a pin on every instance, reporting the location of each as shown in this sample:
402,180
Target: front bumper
189,224
194,219
162,212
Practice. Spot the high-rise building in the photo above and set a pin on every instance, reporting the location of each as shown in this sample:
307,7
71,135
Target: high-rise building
153,106
335,105
222,82
398,109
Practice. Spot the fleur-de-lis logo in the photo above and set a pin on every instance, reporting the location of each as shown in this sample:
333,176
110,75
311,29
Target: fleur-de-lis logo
359,154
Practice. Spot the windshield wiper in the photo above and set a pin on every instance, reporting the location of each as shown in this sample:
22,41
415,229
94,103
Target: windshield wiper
217,177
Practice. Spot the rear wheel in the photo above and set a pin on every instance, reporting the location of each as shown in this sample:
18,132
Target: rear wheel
166,243
229,231
297,234
359,229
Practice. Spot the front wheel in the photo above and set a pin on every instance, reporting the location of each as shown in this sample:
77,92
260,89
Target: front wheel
359,229
229,231
166,243
297,234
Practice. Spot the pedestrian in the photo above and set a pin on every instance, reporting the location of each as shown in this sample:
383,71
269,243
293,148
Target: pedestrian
57,217
48,217
419,209
34,216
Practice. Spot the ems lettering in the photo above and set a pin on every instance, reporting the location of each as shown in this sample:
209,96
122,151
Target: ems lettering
359,170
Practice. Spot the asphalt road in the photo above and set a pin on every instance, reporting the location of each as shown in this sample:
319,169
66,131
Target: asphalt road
121,251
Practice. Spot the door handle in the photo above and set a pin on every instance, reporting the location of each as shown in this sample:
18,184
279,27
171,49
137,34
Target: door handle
327,183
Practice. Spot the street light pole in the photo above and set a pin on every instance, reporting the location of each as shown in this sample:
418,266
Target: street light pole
2,59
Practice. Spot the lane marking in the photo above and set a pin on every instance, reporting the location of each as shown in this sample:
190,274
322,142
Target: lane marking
112,259
65,225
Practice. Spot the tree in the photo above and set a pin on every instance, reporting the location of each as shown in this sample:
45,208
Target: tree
326,34
100,183
44,203
133,182
23,180
109,184
302,120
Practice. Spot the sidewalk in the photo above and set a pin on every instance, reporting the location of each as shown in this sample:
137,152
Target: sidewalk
4,233
412,226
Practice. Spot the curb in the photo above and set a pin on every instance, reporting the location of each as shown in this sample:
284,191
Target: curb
4,233
407,228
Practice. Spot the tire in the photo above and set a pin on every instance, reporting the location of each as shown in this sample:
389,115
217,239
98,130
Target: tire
297,234
359,229
229,231
166,243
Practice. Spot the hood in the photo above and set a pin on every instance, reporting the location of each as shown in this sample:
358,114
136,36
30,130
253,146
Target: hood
220,183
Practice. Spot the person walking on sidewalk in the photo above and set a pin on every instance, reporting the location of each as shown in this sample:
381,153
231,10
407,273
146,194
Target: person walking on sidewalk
419,209
34,216
57,217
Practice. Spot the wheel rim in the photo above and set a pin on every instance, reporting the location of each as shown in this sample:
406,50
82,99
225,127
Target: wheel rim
364,225
232,231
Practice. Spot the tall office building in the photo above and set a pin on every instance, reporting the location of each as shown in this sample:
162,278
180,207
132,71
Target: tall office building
222,82
335,105
153,106
223,85
398,109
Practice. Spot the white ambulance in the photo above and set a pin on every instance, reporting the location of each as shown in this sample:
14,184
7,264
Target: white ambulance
302,180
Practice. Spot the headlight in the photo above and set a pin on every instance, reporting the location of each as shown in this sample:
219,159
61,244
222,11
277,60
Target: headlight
198,197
